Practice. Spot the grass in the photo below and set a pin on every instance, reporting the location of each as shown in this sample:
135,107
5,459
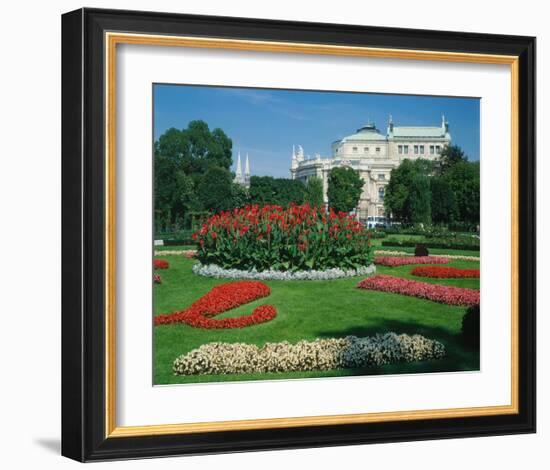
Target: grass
309,310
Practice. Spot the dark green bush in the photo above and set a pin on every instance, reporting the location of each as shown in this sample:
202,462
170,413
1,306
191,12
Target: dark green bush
421,250
471,327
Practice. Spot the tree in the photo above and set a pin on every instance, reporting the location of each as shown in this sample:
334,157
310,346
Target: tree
444,208
314,192
215,189
280,191
463,179
344,189
420,200
182,158
450,156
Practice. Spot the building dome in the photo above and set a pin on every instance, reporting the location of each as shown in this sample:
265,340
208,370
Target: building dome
365,133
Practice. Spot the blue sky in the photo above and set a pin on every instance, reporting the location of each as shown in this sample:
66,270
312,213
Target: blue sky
266,123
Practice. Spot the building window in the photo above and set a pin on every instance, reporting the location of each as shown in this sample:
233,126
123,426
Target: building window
406,149
438,149
381,177
337,150
400,149
421,150
416,149
380,194
366,149
354,149
432,149
377,149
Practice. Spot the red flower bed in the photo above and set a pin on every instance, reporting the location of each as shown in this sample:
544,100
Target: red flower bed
443,294
394,261
221,299
157,279
445,272
161,264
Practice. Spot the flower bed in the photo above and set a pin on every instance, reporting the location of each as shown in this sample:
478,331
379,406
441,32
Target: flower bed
321,354
161,264
212,270
157,279
187,253
394,261
221,299
443,294
445,272
404,253
297,238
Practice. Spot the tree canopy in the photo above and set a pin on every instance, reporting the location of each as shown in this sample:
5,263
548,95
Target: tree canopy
344,189
280,191
314,192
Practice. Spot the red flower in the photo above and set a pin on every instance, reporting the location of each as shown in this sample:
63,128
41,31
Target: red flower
443,294
161,264
157,279
221,299
444,272
393,261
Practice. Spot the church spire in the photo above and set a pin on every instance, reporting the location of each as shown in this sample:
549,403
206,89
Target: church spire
246,166
238,172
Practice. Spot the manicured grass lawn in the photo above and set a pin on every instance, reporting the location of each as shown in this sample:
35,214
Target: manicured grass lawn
309,310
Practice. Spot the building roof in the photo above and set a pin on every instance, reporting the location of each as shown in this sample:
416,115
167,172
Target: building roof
402,131
366,133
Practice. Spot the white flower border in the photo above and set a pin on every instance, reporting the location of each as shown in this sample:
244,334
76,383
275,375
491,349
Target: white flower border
213,270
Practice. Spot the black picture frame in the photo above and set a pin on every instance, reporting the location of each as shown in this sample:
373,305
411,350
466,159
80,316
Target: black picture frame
83,228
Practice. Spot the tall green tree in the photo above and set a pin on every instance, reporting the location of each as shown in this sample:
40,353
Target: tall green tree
463,178
182,157
420,200
450,156
344,189
215,189
314,192
444,208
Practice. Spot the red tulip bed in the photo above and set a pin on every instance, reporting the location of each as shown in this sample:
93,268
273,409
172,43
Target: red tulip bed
437,293
394,261
221,299
445,272
272,237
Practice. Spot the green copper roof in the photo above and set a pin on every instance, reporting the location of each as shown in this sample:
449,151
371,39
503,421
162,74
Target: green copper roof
366,133
418,132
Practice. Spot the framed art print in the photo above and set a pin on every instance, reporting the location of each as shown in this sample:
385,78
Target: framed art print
282,234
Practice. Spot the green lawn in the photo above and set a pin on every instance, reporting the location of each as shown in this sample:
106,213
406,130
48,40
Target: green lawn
309,310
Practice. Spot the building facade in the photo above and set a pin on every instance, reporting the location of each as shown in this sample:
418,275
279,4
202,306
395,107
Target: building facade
373,155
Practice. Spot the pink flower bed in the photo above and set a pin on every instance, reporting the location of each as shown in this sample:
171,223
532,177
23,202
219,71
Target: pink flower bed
443,294
394,261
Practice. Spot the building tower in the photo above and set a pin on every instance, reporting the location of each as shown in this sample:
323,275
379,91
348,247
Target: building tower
238,172
247,173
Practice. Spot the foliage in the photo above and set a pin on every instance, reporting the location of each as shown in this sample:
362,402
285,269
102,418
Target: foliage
463,179
450,156
344,189
421,250
443,202
276,191
471,327
313,194
182,157
217,191
272,237
419,203
455,243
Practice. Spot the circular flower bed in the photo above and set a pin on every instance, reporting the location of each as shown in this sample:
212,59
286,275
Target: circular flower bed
443,294
297,238
321,354
212,270
445,272
221,299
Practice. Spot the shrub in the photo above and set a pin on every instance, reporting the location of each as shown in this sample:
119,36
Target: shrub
471,327
283,239
421,250
453,243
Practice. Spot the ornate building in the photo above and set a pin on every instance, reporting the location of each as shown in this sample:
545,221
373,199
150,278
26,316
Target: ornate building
374,155
243,180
